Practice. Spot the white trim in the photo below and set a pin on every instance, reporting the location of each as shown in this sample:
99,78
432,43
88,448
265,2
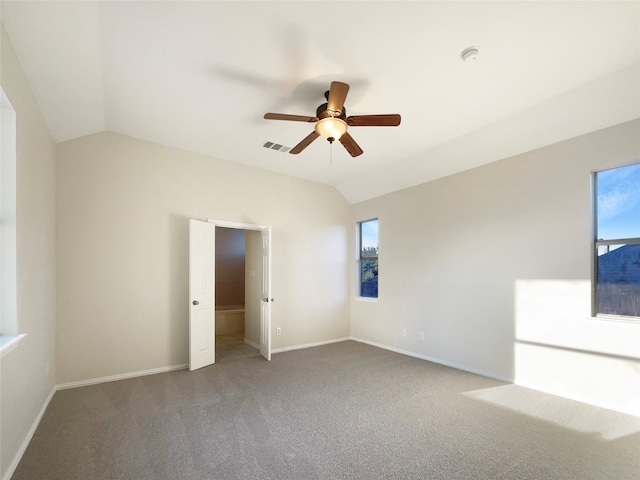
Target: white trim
238,225
366,299
9,342
616,319
23,447
8,248
27,439
310,345
436,360
121,376
398,350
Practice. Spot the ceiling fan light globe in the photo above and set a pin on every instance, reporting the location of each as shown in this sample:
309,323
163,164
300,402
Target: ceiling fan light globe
331,128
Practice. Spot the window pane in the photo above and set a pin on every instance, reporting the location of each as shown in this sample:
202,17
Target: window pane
369,239
369,259
369,278
618,203
618,287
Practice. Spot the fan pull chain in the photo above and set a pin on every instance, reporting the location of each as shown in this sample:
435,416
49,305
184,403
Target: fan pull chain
331,154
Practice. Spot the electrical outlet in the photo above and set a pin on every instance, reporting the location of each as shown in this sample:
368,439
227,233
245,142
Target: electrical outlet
421,335
404,332
278,331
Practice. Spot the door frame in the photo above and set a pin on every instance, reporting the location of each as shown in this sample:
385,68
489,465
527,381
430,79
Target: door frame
265,326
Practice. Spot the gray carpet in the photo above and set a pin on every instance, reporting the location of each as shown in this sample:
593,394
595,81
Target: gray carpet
340,411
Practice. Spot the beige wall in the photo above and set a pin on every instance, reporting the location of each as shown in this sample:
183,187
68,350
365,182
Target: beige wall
493,265
123,209
25,384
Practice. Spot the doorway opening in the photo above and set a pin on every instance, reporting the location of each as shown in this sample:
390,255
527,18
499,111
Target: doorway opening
202,287
238,254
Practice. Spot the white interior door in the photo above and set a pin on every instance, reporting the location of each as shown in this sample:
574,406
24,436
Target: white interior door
265,311
202,315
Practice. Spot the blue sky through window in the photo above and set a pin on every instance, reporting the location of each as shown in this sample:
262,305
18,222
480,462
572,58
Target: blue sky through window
370,234
618,202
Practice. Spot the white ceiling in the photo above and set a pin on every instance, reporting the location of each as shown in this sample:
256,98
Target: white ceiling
200,75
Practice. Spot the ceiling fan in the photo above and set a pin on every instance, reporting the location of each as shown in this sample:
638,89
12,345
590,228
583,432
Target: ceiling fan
332,122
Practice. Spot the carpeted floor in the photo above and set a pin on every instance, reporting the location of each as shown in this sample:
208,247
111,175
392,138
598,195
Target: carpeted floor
340,411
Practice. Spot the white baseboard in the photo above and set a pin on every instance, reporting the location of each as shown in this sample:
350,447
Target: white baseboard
121,376
309,345
23,447
435,360
253,344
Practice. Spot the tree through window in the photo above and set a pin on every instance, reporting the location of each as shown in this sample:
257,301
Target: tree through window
368,258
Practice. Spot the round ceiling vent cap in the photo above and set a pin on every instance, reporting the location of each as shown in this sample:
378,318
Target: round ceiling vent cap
469,54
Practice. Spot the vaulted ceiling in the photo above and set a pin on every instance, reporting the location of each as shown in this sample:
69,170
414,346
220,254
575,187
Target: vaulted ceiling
200,76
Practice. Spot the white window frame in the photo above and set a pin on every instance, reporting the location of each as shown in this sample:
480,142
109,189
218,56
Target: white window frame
9,337
598,243
359,262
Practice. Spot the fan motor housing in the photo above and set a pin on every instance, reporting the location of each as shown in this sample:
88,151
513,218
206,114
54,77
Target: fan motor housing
323,112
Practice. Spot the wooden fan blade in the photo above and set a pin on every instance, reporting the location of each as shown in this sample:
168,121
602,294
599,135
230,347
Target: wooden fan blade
304,143
350,144
337,96
389,120
293,118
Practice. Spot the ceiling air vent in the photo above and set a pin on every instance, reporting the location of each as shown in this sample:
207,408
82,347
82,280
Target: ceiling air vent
276,146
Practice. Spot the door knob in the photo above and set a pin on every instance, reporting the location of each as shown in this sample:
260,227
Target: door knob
196,302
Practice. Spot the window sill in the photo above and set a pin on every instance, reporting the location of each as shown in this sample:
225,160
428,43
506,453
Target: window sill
366,299
616,319
9,342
